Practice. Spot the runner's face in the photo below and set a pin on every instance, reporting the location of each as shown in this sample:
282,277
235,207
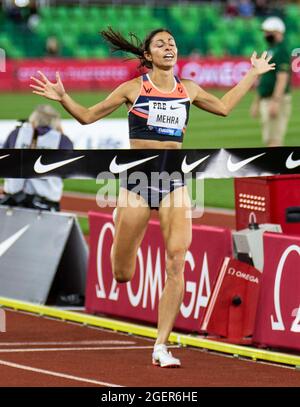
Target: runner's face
163,50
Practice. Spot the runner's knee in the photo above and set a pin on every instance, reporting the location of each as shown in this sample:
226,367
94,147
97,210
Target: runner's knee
175,261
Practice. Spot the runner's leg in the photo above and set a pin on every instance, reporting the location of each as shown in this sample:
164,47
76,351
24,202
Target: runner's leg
176,227
130,227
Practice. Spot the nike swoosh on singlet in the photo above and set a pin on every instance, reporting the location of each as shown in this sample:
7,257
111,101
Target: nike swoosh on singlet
189,167
291,163
3,156
117,168
7,243
232,167
175,107
41,168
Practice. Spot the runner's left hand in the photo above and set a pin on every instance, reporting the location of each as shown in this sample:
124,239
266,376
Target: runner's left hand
262,64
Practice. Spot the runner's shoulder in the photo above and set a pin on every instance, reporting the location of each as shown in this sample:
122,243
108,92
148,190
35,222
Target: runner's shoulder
134,83
131,88
188,82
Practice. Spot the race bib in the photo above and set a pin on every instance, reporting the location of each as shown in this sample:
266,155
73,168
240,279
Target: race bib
168,114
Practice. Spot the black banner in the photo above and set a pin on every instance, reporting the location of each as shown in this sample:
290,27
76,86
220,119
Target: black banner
204,163
141,396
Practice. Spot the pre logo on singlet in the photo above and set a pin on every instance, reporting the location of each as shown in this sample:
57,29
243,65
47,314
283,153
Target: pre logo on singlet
167,117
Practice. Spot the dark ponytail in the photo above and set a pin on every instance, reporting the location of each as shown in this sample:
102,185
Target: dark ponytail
134,45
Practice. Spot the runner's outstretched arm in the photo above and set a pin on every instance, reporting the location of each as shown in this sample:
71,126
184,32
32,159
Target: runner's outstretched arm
223,106
56,91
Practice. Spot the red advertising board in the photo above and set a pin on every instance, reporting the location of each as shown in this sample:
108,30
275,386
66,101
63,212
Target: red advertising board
278,315
93,74
139,298
75,74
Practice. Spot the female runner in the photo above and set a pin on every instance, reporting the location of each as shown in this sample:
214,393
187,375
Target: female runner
158,106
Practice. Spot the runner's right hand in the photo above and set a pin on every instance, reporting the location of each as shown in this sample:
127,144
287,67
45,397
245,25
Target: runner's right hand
50,90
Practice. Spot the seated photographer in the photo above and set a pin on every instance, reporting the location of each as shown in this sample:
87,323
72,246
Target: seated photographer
43,130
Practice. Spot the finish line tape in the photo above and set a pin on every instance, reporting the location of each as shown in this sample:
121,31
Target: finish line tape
109,164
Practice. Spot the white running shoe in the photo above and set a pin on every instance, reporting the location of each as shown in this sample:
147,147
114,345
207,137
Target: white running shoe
161,357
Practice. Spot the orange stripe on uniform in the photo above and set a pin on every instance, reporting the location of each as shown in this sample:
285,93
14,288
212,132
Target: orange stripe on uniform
180,92
137,113
149,90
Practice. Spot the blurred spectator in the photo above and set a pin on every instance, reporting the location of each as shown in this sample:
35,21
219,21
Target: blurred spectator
33,21
52,47
273,99
231,9
13,13
246,8
43,130
261,8
19,10
276,8
34,17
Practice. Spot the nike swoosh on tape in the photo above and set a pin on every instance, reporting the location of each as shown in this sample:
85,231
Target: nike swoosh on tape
41,168
117,168
7,243
232,167
290,163
4,156
185,168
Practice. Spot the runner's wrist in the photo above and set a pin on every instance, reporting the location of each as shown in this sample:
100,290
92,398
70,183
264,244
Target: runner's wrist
254,71
63,97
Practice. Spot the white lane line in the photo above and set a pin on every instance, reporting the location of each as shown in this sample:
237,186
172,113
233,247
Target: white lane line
104,342
56,374
21,350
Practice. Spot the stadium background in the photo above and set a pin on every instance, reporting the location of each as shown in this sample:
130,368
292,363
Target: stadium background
202,29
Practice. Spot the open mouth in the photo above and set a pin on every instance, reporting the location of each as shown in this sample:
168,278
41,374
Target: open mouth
169,57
